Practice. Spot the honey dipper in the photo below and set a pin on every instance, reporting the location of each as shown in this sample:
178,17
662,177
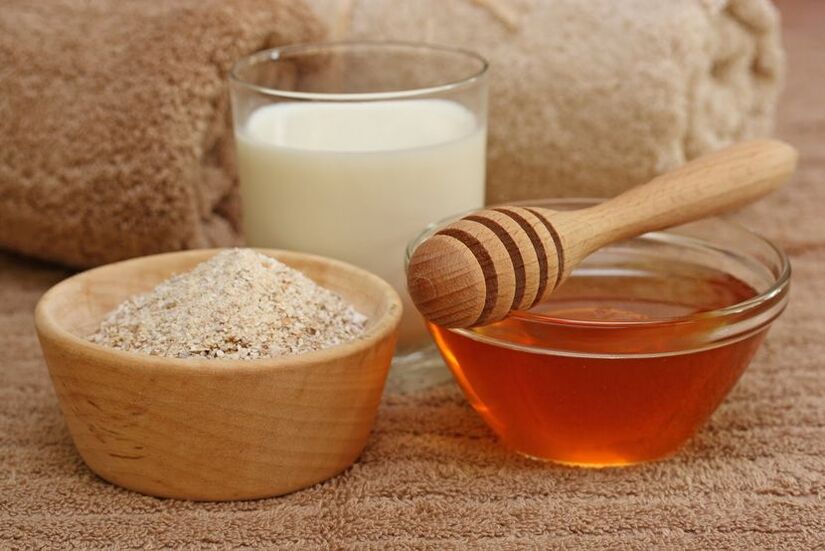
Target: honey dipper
476,270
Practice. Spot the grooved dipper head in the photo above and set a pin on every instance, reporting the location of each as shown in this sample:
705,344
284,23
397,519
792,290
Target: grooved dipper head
479,268
446,282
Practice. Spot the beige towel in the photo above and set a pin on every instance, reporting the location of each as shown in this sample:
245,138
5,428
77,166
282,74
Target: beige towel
589,98
114,129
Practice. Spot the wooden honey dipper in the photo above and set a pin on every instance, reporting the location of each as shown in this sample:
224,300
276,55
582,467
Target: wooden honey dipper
479,268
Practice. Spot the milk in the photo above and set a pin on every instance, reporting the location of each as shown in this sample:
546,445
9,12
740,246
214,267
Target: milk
358,181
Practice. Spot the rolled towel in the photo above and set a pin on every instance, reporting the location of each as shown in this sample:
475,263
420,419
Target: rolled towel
114,127
590,98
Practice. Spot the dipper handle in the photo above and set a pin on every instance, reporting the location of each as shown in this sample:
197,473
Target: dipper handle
479,268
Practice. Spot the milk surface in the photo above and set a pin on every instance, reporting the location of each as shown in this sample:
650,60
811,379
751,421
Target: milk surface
358,181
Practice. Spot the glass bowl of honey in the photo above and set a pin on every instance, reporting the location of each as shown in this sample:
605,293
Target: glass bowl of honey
633,353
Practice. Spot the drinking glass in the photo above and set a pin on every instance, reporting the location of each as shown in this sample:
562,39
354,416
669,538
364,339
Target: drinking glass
348,150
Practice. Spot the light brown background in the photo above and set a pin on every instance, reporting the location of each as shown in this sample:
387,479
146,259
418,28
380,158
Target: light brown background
434,477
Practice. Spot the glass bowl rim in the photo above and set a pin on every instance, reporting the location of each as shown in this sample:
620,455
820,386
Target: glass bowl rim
776,290
281,52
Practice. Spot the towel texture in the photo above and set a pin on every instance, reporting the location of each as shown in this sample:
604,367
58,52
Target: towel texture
114,125
590,98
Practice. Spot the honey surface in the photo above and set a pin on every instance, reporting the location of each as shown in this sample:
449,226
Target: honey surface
599,411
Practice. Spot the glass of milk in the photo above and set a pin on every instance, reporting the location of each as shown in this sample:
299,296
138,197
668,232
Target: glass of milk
348,150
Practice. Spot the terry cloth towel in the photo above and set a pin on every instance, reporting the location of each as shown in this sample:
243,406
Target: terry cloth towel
114,126
590,98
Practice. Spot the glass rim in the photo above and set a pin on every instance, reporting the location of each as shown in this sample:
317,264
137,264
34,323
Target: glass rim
777,290
282,52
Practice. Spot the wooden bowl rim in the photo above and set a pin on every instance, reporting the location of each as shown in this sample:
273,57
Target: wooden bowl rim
47,326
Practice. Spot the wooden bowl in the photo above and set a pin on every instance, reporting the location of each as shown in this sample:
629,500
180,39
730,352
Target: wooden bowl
214,429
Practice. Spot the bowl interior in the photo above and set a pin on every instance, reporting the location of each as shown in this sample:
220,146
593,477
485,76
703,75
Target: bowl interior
78,304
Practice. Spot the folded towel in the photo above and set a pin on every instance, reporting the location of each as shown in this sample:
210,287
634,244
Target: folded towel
590,98
114,127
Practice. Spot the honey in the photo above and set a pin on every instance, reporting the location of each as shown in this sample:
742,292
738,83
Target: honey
620,366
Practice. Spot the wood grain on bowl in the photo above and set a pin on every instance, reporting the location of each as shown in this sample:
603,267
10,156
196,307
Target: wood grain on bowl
214,429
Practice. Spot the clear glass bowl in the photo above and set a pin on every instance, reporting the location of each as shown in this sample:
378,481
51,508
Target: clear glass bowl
633,353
